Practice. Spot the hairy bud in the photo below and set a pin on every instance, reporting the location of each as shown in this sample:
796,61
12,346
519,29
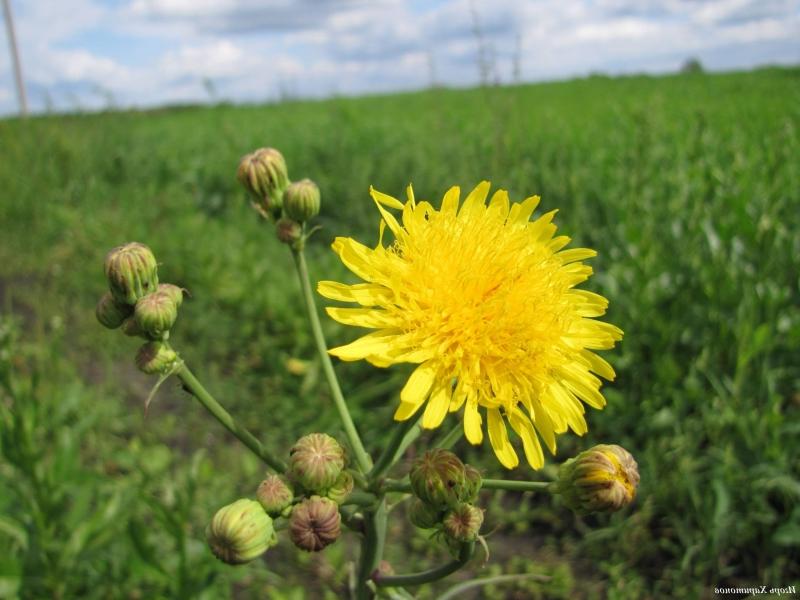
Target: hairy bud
174,292
438,478
263,173
111,313
275,494
240,532
301,200
340,490
315,523
288,231
472,484
315,462
463,523
156,313
601,479
155,358
132,272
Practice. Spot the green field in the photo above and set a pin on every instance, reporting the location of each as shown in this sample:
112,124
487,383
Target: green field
689,188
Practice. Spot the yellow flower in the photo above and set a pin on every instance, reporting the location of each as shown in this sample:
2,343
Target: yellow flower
484,300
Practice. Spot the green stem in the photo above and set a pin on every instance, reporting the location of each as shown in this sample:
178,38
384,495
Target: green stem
371,549
451,438
404,435
362,458
360,499
393,485
223,416
430,575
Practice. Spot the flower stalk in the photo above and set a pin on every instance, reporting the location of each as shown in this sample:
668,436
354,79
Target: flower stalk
431,575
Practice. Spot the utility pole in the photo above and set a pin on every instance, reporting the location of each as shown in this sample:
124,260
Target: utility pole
12,44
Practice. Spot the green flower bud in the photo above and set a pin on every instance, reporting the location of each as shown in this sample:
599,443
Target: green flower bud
342,488
240,532
288,231
111,313
315,523
438,478
156,313
601,479
155,357
131,328
423,515
275,494
316,461
463,523
301,200
263,173
132,272
472,484
173,291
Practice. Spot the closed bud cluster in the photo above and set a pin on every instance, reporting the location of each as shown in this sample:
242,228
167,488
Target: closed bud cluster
263,173
462,523
438,478
315,523
275,494
112,313
132,272
240,532
601,479
424,515
315,462
155,358
301,201
156,313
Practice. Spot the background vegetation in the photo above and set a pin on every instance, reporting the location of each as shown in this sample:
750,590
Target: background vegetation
688,186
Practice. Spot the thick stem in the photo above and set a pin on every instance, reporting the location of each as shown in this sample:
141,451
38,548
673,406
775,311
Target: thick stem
404,435
223,416
371,549
428,576
361,456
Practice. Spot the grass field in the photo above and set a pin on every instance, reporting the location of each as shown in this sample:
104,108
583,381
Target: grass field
689,188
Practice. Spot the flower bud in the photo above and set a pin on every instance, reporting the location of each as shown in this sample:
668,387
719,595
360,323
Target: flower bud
156,313
423,515
132,272
342,488
240,532
131,328
155,357
472,484
263,173
315,523
275,494
601,479
301,200
438,478
316,461
288,231
173,291
463,523
111,313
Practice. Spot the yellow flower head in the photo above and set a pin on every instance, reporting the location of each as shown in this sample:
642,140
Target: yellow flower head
484,300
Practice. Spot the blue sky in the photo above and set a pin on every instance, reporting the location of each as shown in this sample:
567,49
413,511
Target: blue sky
135,53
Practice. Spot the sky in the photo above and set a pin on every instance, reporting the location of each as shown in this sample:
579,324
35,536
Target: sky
94,54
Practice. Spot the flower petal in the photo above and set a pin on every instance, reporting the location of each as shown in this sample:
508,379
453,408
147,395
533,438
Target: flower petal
472,423
498,436
530,442
437,407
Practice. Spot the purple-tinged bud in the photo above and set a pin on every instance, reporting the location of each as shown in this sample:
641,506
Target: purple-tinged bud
275,494
301,200
173,291
132,272
438,478
472,484
240,532
315,523
315,462
263,173
155,314
340,490
423,515
155,358
111,313
601,479
463,523
288,231
131,328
